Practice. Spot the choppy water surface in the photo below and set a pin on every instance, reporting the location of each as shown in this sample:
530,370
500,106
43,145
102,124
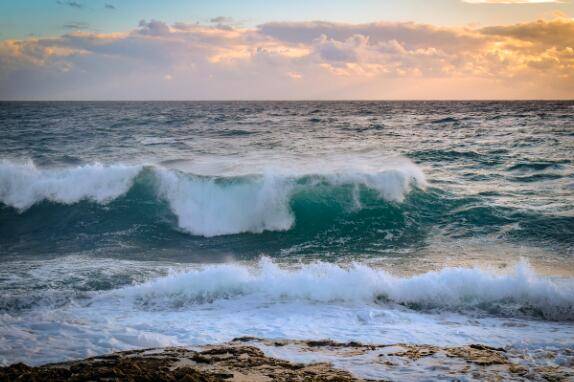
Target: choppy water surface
129,224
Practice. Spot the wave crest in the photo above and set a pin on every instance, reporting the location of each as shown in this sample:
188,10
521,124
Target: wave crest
23,185
519,292
206,206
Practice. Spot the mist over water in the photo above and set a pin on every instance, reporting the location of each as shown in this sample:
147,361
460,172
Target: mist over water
354,218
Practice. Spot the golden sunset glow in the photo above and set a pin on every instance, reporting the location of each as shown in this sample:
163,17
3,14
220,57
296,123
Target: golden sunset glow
373,60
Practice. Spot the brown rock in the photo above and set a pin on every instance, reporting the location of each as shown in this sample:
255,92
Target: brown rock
481,355
517,369
217,363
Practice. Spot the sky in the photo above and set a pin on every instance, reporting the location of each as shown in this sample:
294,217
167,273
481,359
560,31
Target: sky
290,49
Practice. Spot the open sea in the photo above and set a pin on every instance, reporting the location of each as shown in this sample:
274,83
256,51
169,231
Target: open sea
146,224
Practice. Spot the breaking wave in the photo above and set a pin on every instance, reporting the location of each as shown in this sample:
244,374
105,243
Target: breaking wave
23,185
519,292
206,206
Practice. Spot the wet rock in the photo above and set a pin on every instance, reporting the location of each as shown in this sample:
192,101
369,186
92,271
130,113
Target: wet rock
415,352
481,355
244,359
517,369
215,363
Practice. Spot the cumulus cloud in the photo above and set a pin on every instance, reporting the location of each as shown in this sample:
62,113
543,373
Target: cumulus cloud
157,60
154,28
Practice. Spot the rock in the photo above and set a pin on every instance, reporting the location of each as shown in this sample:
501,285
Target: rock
216,363
241,360
517,369
481,355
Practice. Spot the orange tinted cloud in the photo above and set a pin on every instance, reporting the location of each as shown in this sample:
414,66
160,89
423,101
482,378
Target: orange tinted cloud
336,60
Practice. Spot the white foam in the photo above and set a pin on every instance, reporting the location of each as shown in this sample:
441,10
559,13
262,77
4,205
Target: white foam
207,207
23,185
149,141
216,303
448,289
392,184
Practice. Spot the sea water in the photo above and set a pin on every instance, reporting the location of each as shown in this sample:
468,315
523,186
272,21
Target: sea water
143,224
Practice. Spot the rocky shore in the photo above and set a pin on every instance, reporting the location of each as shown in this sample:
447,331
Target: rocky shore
253,359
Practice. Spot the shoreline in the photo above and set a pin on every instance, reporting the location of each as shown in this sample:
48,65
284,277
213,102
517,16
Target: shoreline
255,359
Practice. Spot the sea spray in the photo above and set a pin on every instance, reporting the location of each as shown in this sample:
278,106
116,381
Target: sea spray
23,184
519,291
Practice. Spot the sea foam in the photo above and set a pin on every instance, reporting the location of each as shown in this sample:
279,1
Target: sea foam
23,184
206,207
518,292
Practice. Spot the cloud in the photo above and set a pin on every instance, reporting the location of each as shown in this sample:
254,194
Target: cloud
154,28
109,6
77,25
221,20
411,34
293,60
539,35
71,3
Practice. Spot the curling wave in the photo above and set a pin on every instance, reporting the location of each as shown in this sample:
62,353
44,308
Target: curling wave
520,292
206,206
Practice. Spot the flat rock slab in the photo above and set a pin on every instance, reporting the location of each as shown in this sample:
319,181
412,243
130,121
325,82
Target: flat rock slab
247,359
213,363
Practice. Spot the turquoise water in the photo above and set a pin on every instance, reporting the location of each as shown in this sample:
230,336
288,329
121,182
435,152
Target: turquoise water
492,169
100,197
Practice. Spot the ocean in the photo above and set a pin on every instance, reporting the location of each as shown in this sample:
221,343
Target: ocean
144,224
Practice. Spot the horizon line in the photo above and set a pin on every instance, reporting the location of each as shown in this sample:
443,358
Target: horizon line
304,100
